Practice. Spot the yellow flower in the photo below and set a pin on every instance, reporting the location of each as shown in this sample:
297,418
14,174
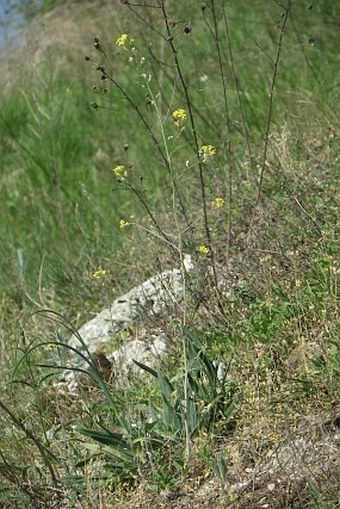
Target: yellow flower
207,151
123,224
203,249
122,40
120,172
219,202
179,115
99,273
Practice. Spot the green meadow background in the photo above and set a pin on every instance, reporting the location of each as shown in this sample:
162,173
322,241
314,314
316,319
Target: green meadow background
61,206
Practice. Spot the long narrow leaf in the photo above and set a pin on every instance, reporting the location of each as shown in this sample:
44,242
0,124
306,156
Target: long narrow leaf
146,368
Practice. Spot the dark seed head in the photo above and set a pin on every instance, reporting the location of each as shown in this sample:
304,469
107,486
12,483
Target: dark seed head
187,29
96,39
94,105
87,58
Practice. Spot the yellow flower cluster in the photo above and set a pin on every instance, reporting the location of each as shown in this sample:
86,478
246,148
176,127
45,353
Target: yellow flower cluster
207,151
120,172
99,274
122,40
179,115
219,202
203,249
123,224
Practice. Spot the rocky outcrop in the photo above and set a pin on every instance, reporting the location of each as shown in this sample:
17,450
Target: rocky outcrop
158,296
152,298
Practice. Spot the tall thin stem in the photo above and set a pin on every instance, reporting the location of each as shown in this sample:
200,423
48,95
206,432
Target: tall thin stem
41,448
271,99
236,85
194,133
228,143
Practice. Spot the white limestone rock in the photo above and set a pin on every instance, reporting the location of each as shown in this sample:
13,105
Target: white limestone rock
152,298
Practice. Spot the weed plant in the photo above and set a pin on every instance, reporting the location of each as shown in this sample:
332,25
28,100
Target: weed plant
210,130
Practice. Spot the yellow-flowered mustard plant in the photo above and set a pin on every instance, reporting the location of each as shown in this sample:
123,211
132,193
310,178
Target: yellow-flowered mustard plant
179,115
203,249
123,224
219,202
122,40
98,274
207,151
120,172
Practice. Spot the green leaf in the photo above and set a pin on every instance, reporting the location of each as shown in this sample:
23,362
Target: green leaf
103,437
146,368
